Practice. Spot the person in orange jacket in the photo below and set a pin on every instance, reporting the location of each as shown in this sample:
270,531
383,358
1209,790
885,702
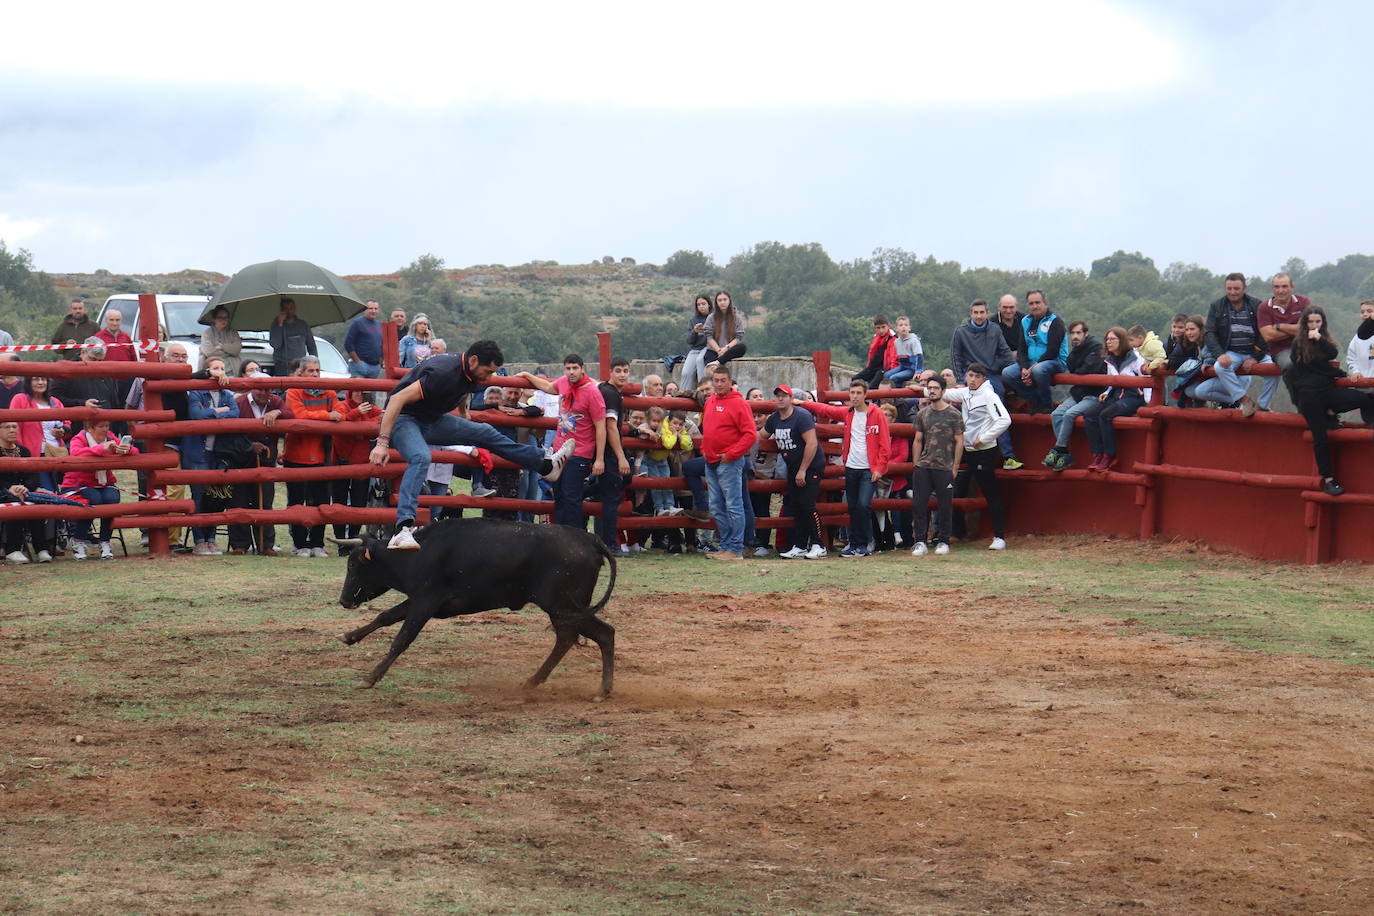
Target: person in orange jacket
357,406
308,450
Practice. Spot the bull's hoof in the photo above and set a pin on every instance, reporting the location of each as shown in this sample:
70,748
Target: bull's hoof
366,684
531,684
347,639
600,697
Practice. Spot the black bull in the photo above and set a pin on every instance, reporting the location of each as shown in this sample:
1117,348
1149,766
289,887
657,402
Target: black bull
466,566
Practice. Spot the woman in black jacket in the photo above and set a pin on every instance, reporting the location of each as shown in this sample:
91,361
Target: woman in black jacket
694,367
1191,345
1313,374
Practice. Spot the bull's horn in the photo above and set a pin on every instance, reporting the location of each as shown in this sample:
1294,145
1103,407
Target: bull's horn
345,542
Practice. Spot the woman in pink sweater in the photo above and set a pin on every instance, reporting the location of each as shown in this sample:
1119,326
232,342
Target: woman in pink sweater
96,486
34,434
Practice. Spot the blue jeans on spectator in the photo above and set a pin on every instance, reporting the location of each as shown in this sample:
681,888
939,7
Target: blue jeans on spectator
569,491
1097,420
1284,361
529,489
658,468
1226,387
724,481
693,370
899,376
1064,415
1004,440
361,369
694,470
1038,392
858,493
412,438
96,496
611,490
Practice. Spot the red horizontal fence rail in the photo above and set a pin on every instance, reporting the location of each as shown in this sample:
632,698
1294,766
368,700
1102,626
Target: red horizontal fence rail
1243,483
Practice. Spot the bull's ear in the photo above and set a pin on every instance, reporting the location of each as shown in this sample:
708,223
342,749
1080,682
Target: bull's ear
367,554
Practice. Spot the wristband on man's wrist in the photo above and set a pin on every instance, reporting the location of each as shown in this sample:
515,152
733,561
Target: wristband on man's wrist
381,439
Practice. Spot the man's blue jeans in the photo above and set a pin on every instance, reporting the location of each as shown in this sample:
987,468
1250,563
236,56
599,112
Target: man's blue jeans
1226,387
724,480
1064,415
899,376
412,438
694,470
1038,392
364,370
1004,440
858,492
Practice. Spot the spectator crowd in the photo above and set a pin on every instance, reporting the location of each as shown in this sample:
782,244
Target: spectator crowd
694,455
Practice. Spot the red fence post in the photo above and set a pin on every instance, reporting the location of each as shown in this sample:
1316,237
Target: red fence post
603,355
152,400
391,351
821,360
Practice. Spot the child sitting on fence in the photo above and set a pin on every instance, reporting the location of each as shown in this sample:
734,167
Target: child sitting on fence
656,430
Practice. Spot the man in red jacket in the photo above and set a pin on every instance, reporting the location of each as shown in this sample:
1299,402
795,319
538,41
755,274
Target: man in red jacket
867,450
727,434
882,352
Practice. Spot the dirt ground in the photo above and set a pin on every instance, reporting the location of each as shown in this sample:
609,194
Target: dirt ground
867,750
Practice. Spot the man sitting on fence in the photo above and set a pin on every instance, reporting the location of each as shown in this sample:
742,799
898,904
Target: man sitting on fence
1233,331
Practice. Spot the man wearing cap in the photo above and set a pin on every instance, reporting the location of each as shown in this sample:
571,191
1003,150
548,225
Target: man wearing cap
793,431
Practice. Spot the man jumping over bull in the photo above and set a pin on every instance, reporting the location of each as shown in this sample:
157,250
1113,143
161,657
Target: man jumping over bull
417,416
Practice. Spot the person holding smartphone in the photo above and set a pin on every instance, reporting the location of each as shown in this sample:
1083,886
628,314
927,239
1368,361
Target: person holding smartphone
95,486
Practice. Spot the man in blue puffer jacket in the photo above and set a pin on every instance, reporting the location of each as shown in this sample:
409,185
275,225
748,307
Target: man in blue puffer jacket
1044,351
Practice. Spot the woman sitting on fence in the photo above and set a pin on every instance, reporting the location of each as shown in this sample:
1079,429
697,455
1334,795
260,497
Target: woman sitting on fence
14,487
41,436
1313,374
1116,401
1189,356
95,486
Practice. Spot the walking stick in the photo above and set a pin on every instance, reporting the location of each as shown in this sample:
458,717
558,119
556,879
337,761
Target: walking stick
260,531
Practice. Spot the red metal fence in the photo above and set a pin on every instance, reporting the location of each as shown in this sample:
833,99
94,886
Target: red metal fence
1246,484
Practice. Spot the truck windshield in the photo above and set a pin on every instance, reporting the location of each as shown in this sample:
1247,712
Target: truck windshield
181,318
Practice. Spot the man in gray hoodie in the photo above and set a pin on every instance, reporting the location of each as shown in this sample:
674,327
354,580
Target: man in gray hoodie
980,341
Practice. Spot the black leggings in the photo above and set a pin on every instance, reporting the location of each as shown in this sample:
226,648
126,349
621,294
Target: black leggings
724,356
1314,407
982,465
801,503
926,482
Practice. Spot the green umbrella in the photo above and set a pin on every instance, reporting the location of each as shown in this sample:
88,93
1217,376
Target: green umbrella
253,295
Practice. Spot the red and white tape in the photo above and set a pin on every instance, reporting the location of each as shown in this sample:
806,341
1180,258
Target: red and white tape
145,345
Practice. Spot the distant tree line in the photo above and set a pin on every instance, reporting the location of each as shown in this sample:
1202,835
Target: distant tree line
797,297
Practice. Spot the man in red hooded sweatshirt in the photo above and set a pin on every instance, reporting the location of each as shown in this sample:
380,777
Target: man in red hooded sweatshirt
882,352
727,434
867,450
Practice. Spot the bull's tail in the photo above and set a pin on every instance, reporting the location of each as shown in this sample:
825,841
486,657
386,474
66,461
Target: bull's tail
610,558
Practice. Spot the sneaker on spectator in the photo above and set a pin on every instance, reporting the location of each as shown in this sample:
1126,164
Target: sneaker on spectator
941,549
761,551
78,549
559,459
997,544
1064,461
919,550
817,552
700,515
403,539
1012,463
44,557
302,552
624,550
481,492
673,510
1247,406
202,549
850,552
318,553
796,553
106,551
143,539
17,558
1329,487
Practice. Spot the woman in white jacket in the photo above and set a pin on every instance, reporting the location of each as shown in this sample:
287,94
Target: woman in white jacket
1116,401
1359,356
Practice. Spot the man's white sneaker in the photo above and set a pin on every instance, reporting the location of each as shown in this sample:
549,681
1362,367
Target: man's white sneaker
624,550
761,551
78,549
106,551
941,549
997,544
17,558
796,553
44,557
817,552
202,549
919,550
403,539
560,458
302,552
481,492
674,510
318,553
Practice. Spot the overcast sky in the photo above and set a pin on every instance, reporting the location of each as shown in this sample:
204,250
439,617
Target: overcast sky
155,137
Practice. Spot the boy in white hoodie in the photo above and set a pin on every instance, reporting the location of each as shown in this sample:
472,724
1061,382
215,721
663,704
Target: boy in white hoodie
985,418
1359,356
